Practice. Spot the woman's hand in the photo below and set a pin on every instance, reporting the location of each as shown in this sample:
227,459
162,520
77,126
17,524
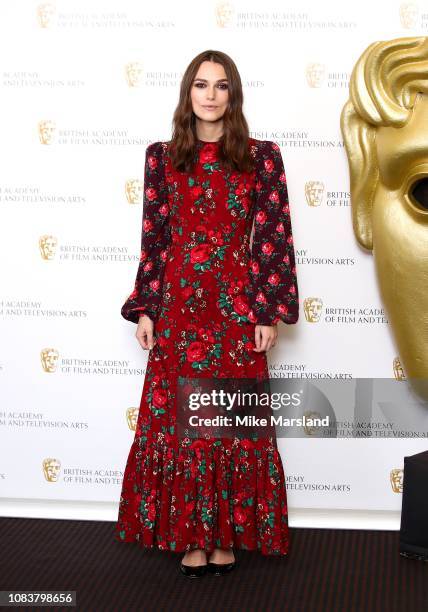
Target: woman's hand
144,333
265,337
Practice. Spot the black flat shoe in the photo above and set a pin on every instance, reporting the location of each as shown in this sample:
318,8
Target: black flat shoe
218,569
195,571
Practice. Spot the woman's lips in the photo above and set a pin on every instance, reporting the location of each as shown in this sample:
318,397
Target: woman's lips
210,107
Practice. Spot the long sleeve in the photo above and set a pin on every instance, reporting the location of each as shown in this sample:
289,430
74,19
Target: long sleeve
155,239
273,291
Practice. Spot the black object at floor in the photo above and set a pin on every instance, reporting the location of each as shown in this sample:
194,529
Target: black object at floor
327,570
220,569
414,509
197,571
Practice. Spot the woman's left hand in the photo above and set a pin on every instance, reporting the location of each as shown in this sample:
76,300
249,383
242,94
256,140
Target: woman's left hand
265,337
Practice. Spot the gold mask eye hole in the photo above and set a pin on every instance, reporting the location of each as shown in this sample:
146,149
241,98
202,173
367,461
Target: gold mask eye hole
419,193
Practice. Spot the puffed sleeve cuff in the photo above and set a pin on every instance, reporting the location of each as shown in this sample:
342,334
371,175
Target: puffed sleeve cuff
155,240
134,314
272,291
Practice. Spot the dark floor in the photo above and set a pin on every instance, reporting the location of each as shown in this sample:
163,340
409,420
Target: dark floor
327,570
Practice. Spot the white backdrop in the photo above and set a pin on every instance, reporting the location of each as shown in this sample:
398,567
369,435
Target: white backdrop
85,87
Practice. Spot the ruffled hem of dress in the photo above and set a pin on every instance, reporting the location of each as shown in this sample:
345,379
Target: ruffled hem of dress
224,493
196,545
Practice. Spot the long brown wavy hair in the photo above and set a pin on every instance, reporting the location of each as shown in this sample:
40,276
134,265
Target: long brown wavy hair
233,151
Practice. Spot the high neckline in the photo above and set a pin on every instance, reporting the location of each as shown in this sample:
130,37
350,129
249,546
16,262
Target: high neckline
207,141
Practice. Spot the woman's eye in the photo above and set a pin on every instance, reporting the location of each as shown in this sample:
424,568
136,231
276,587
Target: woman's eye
221,85
419,192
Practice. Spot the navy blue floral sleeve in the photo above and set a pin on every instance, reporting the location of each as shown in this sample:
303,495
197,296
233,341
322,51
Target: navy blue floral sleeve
155,239
273,291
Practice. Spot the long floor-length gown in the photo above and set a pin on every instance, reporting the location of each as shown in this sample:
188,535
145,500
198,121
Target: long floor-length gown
205,288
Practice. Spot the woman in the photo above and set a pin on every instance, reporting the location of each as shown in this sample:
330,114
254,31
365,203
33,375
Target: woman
207,305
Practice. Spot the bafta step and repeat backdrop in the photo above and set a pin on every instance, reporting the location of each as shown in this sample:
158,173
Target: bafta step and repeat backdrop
85,87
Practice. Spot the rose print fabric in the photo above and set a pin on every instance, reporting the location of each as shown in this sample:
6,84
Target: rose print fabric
206,288
271,285
155,238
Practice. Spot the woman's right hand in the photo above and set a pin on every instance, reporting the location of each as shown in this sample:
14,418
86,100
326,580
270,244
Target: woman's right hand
144,333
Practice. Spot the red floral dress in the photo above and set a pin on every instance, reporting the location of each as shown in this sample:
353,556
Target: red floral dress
206,289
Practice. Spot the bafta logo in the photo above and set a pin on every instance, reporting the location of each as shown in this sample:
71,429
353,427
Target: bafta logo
396,479
312,307
47,246
310,430
131,418
133,73
134,189
399,373
46,129
49,358
51,469
223,13
315,74
409,12
314,192
45,14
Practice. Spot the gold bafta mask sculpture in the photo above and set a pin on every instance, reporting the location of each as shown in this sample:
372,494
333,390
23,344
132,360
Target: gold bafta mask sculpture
47,246
49,358
409,13
223,12
315,74
312,307
314,191
51,469
132,418
46,129
45,14
385,129
133,73
310,430
396,480
134,189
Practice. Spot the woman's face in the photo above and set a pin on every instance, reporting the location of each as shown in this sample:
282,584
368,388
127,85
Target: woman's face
209,92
